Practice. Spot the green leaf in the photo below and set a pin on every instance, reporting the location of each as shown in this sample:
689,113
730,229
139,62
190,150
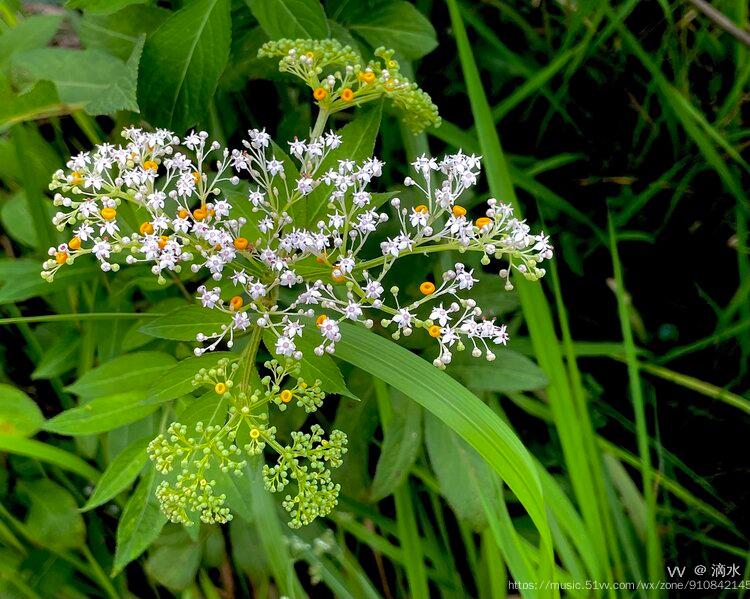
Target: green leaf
292,19
403,438
99,82
357,143
178,380
20,280
19,414
118,33
185,323
101,414
463,475
41,101
53,520
33,32
140,524
457,407
48,453
182,62
313,367
17,221
101,6
510,371
130,371
398,25
210,409
180,550
120,473
58,357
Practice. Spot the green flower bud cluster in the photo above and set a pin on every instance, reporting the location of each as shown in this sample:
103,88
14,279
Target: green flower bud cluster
193,491
309,397
195,452
308,460
340,78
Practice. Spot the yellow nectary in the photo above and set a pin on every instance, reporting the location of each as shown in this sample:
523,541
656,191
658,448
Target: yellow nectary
427,287
108,213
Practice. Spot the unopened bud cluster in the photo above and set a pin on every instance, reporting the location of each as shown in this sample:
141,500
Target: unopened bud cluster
200,451
340,78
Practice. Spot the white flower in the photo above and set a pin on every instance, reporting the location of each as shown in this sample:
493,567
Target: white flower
329,328
285,346
209,298
186,221
257,197
293,329
353,310
403,318
241,321
373,290
288,278
464,278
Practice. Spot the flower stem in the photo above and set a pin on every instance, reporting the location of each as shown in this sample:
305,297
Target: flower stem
320,123
248,356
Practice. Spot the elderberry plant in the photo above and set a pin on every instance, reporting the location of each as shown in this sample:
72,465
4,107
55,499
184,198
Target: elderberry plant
309,225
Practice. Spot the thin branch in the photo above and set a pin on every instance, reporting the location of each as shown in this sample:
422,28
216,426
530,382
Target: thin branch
722,21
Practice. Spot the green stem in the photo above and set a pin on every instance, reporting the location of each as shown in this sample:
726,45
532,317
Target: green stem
320,123
248,356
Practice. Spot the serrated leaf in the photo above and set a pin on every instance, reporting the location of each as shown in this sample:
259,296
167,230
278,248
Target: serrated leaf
403,438
118,33
183,324
398,25
120,473
35,31
19,414
99,82
133,338
101,415
17,221
140,524
53,520
178,380
182,62
466,481
293,19
131,371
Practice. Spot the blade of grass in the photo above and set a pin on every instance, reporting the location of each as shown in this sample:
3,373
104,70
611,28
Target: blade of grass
460,410
416,574
653,544
535,309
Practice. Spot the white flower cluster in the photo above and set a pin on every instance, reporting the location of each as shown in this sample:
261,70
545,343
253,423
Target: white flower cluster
309,216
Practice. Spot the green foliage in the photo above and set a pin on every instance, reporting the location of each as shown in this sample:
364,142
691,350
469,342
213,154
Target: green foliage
290,18
19,414
183,60
91,79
